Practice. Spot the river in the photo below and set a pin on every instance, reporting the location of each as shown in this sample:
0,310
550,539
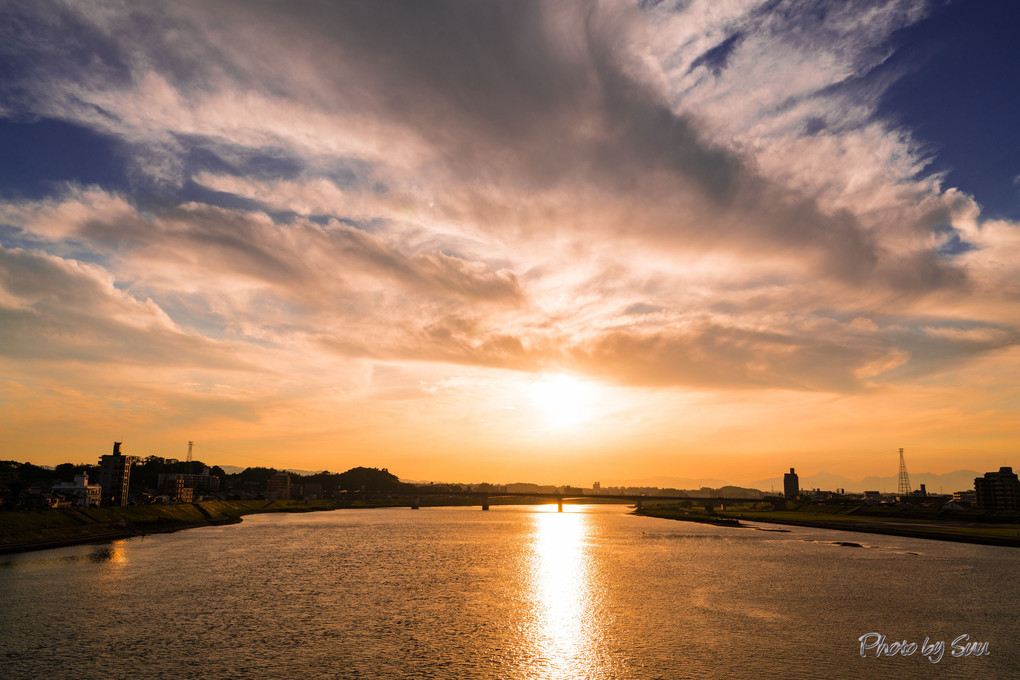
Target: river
519,592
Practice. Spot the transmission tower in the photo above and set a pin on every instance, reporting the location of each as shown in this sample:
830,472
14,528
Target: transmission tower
904,485
192,471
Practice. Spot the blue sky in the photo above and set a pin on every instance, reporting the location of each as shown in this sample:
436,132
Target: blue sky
42,154
393,229
957,91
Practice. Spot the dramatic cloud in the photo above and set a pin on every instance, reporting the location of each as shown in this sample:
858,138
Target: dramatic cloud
673,195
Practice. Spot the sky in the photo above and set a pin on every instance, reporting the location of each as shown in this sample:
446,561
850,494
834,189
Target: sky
547,241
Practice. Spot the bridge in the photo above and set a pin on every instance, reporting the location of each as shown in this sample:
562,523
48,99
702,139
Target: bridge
483,497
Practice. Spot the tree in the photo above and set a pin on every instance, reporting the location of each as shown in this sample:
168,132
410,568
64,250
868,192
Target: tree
369,479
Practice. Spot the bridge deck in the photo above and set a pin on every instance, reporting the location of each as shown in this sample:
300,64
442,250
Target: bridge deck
574,497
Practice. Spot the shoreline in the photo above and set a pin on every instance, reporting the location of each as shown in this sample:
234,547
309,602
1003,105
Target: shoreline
930,532
876,528
32,530
100,525
105,537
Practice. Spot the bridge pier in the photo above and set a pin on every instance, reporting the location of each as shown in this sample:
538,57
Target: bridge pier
485,502
559,505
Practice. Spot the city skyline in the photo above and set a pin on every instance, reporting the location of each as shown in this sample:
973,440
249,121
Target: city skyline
816,481
540,240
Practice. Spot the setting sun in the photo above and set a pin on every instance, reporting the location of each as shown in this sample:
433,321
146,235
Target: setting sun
562,400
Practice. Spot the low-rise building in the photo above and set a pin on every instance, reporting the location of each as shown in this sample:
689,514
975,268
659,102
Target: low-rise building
35,498
522,487
80,492
963,497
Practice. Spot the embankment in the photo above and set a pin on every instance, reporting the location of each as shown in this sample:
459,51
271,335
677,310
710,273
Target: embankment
25,530
51,528
940,529
686,516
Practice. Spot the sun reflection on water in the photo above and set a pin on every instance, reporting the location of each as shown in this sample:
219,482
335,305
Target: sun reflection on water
566,621
117,553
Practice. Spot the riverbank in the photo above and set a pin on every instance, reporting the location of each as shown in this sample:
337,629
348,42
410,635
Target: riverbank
1000,534
22,531
683,515
53,528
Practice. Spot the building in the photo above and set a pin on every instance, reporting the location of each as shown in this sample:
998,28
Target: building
115,476
791,484
523,487
998,490
924,497
35,498
205,482
174,487
278,487
963,497
80,492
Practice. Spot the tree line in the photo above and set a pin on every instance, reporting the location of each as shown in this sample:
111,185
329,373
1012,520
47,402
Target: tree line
16,476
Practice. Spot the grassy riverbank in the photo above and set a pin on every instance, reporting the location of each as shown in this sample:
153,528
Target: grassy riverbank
35,529
987,530
28,530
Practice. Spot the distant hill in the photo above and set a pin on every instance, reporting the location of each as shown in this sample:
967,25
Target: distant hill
233,470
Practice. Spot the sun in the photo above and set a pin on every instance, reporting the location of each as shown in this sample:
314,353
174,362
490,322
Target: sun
562,400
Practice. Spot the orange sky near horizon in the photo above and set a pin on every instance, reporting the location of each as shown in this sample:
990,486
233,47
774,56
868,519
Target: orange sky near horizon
501,427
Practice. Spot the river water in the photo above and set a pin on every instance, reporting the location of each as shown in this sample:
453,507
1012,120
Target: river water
516,592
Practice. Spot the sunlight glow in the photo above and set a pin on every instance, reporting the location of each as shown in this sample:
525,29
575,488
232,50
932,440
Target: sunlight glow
562,400
563,635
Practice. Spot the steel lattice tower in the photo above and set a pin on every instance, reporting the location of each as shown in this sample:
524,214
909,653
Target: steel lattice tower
904,485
